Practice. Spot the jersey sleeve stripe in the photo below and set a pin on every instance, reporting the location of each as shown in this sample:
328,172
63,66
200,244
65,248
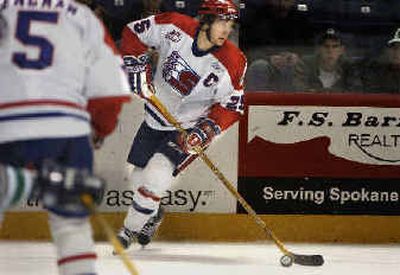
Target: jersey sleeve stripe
41,103
41,115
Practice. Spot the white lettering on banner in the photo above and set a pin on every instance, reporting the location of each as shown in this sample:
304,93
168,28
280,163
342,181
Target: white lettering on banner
315,196
362,195
368,135
334,194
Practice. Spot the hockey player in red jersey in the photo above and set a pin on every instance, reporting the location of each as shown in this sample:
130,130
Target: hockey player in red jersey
62,88
199,78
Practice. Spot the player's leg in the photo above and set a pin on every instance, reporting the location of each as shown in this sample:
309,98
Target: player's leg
144,215
152,176
71,232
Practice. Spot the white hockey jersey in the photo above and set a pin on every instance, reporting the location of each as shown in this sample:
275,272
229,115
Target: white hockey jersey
192,84
57,58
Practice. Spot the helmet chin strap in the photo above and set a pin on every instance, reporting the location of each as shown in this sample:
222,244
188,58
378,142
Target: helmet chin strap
208,34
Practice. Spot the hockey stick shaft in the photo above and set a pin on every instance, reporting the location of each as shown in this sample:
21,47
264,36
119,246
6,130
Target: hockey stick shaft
88,202
171,119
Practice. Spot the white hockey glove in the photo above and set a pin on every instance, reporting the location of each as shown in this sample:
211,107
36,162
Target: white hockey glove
200,136
60,189
139,75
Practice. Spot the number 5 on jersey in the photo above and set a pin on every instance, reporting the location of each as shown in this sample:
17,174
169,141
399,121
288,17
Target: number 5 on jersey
46,48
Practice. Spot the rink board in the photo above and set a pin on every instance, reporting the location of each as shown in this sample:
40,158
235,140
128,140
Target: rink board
229,227
286,151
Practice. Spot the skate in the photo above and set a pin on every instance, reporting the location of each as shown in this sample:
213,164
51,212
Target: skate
125,237
149,229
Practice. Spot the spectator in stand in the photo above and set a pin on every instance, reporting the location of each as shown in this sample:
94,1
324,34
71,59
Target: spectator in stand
382,74
273,73
328,70
188,7
117,13
273,34
274,26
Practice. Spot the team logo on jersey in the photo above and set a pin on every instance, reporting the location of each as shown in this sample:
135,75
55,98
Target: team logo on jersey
210,80
174,36
177,73
216,66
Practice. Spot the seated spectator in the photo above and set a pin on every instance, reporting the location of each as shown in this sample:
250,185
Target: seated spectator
117,13
188,7
274,73
275,25
382,74
327,70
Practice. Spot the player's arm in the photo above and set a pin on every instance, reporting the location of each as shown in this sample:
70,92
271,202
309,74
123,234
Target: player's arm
221,116
107,85
138,38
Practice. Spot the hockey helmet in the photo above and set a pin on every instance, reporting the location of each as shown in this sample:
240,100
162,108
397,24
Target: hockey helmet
224,9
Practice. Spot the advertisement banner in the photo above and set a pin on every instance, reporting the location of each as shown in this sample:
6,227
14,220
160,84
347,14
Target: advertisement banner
196,189
309,153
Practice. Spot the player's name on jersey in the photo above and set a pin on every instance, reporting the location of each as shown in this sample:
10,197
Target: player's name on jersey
68,6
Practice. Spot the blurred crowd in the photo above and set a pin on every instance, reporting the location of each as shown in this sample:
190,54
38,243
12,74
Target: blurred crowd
298,45
343,46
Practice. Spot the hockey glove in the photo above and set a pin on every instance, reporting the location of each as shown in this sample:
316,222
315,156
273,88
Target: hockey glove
139,75
200,136
60,189
97,141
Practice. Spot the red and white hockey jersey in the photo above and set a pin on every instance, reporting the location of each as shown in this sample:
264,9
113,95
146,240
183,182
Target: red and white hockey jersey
60,72
192,84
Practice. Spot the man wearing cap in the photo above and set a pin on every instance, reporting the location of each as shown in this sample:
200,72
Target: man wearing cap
382,74
327,70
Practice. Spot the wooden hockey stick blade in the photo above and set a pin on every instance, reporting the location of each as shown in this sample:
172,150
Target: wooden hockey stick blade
309,260
88,202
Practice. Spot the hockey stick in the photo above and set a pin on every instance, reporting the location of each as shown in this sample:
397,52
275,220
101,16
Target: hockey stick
88,202
184,164
288,257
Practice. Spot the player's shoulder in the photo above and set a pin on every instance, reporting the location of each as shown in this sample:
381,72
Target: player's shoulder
182,21
230,55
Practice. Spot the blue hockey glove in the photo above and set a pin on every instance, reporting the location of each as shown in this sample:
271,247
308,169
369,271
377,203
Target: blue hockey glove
200,136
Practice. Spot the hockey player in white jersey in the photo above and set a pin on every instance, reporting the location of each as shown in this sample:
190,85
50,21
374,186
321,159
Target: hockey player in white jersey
199,78
62,87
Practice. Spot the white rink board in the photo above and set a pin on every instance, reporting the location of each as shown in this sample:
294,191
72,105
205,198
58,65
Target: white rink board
195,190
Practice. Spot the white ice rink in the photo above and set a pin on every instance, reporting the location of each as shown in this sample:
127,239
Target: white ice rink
160,258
